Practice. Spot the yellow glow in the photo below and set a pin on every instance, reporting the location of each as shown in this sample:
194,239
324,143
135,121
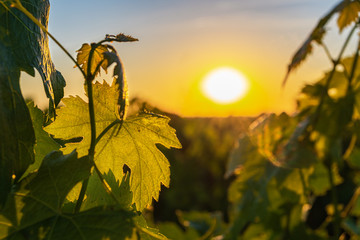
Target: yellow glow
225,85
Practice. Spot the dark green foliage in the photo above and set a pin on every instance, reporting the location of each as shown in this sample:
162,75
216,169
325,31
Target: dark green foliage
79,195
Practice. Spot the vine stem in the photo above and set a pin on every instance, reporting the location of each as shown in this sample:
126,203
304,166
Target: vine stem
88,81
17,4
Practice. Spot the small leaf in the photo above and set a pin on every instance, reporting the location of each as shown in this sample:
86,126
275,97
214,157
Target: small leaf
97,57
349,14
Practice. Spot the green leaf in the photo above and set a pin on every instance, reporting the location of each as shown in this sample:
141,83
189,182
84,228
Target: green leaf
134,145
44,143
97,58
349,14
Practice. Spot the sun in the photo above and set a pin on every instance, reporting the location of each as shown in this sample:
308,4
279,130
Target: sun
225,85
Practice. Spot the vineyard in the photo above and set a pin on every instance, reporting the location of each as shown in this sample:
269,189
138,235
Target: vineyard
92,169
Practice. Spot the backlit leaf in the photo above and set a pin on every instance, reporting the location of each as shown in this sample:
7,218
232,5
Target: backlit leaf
83,58
134,145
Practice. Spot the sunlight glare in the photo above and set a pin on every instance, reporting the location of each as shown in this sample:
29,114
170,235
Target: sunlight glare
225,85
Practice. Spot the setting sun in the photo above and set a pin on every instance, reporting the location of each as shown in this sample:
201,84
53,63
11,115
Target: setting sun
225,85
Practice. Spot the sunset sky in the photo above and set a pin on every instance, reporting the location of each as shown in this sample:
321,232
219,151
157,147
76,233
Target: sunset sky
181,41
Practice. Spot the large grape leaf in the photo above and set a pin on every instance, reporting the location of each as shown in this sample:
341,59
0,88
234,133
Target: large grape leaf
134,145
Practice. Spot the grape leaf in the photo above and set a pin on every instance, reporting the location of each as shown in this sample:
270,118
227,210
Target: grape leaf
134,145
97,57
44,143
348,14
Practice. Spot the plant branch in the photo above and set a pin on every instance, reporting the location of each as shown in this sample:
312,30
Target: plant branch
81,195
328,54
88,80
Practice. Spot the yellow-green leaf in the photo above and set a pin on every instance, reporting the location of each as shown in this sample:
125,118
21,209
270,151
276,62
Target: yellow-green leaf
83,58
134,145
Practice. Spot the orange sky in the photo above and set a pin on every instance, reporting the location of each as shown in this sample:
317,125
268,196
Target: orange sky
180,42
